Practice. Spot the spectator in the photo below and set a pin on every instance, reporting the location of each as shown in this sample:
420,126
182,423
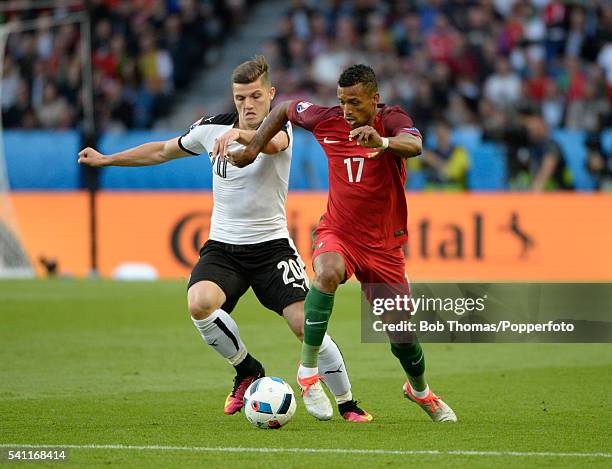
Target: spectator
604,59
318,41
503,88
445,164
540,162
422,108
13,116
553,105
440,39
182,55
576,38
11,79
537,81
599,164
408,35
54,112
587,112
155,65
462,62
573,79
328,65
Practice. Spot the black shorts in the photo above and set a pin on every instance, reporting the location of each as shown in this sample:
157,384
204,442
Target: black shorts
273,269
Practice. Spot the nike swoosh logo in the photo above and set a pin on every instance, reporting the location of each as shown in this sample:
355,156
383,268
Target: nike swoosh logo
326,140
312,323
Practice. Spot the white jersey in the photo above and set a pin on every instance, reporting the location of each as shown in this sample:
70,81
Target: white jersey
249,202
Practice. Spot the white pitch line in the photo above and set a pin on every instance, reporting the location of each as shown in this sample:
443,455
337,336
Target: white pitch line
221,449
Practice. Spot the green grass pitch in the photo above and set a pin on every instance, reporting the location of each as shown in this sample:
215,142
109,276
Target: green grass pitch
106,363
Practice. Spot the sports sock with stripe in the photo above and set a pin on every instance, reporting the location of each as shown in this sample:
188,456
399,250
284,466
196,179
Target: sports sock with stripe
220,331
332,370
317,310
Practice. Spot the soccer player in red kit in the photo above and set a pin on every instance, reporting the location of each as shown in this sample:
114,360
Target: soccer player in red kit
365,225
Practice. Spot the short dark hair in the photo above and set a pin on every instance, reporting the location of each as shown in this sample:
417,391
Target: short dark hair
359,74
252,70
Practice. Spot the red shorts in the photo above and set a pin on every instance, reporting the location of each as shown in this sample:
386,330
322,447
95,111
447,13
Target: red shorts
381,272
368,264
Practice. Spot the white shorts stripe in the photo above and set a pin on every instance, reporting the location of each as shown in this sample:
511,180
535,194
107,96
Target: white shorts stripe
301,262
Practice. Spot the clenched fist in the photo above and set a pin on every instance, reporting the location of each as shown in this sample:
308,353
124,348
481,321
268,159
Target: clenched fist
93,158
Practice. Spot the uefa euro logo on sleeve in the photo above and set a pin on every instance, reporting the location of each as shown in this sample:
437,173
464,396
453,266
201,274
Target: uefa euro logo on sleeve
302,106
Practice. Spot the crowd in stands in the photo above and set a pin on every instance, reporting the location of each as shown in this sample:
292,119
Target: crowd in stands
143,50
506,68
511,71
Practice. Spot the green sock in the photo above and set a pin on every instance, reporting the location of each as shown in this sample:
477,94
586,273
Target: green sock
411,357
317,310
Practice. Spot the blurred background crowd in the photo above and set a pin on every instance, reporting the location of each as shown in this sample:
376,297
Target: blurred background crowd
462,61
507,71
143,52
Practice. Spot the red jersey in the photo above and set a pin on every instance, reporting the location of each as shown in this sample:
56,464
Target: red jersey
366,200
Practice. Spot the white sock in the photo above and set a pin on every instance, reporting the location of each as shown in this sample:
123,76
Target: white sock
220,331
420,394
305,372
333,370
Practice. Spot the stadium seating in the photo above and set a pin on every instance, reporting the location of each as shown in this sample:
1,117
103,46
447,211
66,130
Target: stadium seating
42,160
574,153
309,164
487,166
606,141
416,181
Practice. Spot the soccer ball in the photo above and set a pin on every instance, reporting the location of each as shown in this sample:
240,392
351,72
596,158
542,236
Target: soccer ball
269,403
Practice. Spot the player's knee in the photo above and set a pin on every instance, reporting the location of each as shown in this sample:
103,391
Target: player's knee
329,272
328,279
201,303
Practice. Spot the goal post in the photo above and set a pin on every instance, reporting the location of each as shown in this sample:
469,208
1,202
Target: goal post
14,260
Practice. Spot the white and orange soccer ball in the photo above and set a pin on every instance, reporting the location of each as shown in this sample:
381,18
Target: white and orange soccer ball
269,402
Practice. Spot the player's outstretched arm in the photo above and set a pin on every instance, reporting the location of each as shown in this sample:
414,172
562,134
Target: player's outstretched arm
271,126
278,143
143,155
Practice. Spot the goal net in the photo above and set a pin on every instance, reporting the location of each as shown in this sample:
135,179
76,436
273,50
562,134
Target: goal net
14,261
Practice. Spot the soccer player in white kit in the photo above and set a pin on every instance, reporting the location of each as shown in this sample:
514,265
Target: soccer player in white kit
249,244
